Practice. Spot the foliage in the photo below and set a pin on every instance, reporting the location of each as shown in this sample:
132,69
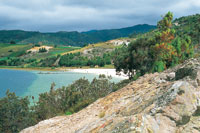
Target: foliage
41,50
47,62
3,62
159,66
68,113
15,113
78,60
19,56
189,25
12,42
121,59
73,97
156,52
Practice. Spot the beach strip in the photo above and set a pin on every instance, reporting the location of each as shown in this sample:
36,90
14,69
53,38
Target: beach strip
107,72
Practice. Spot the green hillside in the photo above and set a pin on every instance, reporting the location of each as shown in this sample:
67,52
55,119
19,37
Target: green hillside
170,44
189,25
69,38
187,33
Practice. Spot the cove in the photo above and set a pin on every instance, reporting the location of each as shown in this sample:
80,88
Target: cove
33,83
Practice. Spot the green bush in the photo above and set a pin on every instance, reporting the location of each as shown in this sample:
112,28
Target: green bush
15,113
159,66
68,113
154,52
3,62
42,50
78,60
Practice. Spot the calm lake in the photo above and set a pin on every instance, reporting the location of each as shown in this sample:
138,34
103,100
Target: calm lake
32,83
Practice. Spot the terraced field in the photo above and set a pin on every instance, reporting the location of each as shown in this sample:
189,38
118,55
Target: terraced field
104,45
59,50
12,50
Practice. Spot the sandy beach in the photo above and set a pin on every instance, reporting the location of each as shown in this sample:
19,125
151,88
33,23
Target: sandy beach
107,72
97,71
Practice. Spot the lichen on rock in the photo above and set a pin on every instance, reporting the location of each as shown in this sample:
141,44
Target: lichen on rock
167,102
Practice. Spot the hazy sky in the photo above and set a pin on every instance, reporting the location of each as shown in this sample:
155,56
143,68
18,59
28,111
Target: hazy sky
82,15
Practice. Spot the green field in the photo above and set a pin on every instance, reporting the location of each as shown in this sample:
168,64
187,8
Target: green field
18,54
12,50
53,52
91,46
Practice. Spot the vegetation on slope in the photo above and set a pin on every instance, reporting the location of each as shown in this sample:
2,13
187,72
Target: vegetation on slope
189,25
154,53
16,113
92,55
17,55
151,52
77,60
70,38
99,54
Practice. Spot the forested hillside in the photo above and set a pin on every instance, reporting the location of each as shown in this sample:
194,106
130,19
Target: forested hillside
189,25
70,38
170,44
148,52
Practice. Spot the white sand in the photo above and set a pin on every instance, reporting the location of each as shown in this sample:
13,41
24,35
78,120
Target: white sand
107,72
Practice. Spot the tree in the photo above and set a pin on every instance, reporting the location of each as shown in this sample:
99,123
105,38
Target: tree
121,60
42,50
163,51
12,42
15,113
170,50
154,52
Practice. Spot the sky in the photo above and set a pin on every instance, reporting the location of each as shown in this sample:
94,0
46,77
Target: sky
84,15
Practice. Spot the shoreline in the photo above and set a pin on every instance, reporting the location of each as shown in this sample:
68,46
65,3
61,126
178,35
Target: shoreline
97,71
29,69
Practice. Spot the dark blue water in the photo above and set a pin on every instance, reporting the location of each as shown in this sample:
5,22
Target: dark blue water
15,81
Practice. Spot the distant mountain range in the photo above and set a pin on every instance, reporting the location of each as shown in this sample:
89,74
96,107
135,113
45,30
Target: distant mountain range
70,38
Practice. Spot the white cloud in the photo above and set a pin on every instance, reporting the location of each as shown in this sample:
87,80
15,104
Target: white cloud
51,15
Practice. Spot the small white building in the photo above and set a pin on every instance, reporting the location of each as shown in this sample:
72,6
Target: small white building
176,24
119,42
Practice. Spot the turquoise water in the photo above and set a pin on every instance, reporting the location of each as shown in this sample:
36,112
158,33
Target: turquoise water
32,83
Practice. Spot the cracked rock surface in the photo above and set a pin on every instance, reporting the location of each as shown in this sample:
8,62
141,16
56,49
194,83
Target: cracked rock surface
167,102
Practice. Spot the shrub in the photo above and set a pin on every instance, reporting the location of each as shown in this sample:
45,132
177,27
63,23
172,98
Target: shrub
68,113
159,66
15,113
37,45
3,62
10,50
12,42
42,50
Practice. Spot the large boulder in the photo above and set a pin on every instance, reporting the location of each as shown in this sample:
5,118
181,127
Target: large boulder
167,102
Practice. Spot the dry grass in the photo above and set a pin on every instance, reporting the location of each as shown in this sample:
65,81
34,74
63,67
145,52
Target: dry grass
5,48
102,45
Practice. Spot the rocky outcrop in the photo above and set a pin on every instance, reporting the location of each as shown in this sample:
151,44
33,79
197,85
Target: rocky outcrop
167,102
